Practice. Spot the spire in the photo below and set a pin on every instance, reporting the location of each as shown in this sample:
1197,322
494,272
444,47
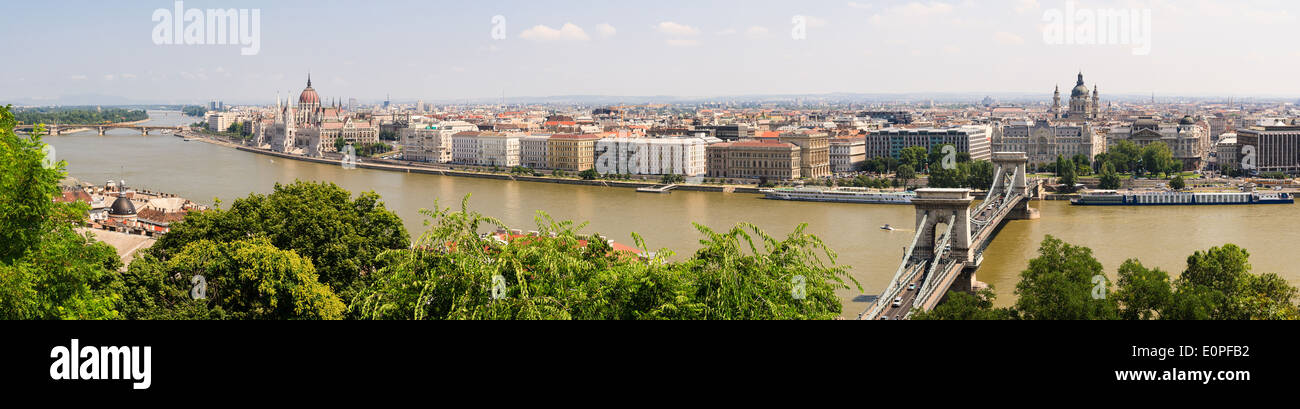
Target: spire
1080,78
309,78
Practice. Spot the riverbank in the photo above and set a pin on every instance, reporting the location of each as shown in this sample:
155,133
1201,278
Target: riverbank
429,170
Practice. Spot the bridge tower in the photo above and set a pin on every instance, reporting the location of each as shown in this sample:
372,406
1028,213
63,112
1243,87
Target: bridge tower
934,206
101,131
1013,167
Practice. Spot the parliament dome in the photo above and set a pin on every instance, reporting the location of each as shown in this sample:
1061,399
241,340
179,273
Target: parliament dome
309,95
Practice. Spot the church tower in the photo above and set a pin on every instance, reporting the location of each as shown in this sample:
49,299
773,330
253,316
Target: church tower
1096,103
1056,103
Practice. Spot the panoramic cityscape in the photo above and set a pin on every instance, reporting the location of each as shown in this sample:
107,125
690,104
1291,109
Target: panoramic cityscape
886,160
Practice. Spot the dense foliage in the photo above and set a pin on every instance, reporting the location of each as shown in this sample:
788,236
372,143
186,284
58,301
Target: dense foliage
194,110
453,272
363,149
340,235
1066,283
246,279
78,115
47,269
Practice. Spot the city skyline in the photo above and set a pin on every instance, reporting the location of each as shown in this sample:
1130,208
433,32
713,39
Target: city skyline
670,49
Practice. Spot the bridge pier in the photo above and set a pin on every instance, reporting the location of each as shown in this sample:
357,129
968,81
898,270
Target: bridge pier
1022,211
101,131
965,281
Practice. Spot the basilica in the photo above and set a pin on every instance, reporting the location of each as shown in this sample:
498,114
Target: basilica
1063,133
1081,107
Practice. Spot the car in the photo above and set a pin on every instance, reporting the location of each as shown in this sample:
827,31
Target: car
898,302
911,287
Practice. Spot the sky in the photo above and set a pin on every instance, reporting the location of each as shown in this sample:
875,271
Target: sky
449,50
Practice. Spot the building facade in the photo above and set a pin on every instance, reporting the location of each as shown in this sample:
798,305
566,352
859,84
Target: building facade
1189,140
498,149
532,151
1043,141
686,156
571,153
847,154
432,142
972,139
1276,148
754,160
814,151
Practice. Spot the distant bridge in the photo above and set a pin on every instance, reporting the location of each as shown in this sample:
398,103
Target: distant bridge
935,264
57,129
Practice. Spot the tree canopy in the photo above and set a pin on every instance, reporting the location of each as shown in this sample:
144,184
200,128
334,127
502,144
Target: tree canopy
47,269
1065,282
453,272
341,235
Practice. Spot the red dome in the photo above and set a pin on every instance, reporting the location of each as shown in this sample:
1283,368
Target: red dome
309,95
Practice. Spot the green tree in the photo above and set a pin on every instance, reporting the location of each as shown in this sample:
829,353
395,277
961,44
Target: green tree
247,279
905,174
980,174
589,174
320,221
1157,158
1178,183
47,269
1082,164
1126,157
1065,172
914,157
1059,285
453,272
1109,179
1143,293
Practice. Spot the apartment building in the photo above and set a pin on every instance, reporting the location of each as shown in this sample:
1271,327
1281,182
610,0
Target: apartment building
532,151
847,154
571,153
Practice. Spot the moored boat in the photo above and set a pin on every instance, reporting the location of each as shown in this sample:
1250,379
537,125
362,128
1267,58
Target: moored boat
1116,198
840,195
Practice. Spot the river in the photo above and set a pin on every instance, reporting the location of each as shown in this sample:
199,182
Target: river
1159,236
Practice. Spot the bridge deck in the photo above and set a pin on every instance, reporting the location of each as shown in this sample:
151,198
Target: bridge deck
921,283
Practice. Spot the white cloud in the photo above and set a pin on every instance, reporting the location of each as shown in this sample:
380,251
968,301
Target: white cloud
78,77
676,29
860,6
568,32
756,32
128,76
728,32
606,30
1005,38
109,77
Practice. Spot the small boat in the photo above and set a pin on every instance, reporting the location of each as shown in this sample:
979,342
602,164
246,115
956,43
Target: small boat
887,228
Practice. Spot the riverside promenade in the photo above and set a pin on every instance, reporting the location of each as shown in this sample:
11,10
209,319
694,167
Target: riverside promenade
393,166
